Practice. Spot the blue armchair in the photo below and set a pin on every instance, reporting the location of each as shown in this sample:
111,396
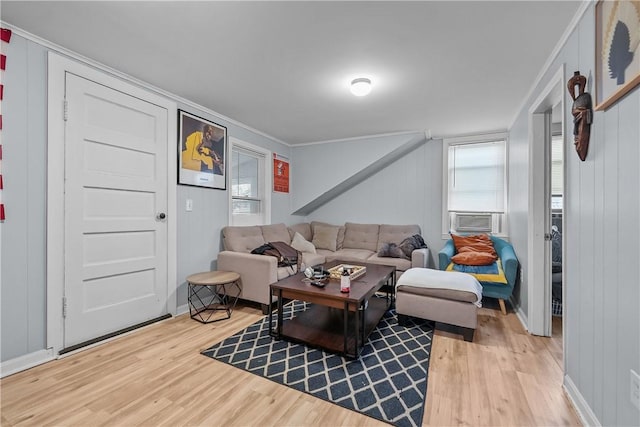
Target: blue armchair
509,264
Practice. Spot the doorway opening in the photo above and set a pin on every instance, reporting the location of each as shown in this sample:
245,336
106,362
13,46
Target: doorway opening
539,231
556,220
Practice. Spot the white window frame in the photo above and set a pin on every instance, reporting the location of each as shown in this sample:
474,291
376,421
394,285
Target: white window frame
499,221
266,186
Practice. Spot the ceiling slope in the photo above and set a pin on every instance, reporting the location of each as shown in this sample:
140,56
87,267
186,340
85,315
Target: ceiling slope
369,170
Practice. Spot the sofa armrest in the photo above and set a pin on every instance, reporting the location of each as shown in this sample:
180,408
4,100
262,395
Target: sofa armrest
257,272
509,263
445,254
420,258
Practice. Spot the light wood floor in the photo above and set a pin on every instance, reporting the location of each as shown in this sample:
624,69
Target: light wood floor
156,376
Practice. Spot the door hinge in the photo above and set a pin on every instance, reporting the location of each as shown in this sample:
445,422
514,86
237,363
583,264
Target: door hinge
64,306
66,110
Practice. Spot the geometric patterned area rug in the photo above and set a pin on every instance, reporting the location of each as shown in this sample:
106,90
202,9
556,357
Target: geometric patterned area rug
387,382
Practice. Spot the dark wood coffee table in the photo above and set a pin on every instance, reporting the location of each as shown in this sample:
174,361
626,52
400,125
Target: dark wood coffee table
335,321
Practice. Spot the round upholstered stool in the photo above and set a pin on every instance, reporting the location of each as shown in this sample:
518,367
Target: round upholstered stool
213,294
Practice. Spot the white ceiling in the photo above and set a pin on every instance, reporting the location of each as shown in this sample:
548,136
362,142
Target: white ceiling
451,67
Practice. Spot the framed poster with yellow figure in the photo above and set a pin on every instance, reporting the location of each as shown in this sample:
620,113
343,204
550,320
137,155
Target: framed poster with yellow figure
617,50
202,152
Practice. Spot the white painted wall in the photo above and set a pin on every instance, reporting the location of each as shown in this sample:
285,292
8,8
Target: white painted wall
24,161
518,198
23,267
406,192
602,235
320,167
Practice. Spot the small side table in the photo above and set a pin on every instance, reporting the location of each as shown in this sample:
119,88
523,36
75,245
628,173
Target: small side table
211,293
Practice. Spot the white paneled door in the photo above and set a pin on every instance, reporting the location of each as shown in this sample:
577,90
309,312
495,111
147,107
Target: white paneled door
115,211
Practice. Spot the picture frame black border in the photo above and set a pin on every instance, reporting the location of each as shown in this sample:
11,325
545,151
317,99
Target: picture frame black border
181,114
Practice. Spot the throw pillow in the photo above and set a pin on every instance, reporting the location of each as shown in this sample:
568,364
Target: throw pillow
302,244
474,258
412,243
477,242
391,250
325,237
476,247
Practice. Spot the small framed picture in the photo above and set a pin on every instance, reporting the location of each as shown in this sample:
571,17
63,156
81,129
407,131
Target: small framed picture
202,147
617,50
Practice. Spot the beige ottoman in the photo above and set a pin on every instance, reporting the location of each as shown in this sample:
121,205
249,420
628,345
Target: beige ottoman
449,297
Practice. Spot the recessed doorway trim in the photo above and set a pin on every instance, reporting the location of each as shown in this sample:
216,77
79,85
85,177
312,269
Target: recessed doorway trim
539,250
58,66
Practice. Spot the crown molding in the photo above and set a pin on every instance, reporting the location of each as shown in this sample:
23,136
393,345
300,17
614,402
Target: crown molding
552,57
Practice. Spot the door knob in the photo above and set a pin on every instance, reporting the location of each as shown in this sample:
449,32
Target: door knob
161,216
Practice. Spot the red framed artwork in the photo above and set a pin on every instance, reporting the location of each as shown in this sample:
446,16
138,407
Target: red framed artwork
280,174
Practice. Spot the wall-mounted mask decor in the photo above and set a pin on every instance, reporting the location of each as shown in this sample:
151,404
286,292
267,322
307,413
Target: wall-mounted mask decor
582,113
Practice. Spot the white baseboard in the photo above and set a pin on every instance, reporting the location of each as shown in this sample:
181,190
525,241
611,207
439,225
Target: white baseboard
25,362
182,309
581,406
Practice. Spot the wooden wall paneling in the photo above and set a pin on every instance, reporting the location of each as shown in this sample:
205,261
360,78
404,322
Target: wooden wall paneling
586,49
36,181
600,270
586,272
628,350
15,172
571,234
610,300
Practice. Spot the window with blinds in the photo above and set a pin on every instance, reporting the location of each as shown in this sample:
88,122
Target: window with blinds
475,184
249,204
476,177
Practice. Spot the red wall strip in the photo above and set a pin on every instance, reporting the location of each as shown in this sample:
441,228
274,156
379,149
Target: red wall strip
5,35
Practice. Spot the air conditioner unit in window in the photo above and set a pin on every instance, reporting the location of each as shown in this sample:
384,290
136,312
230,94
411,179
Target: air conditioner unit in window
473,222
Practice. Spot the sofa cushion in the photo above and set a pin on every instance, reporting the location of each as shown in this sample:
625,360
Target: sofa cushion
450,294
401,264
304,228
395,233
303,245
391,250
324,252
350,255
242,239
340,240
411,243
310,260
275,233
361,236
325,237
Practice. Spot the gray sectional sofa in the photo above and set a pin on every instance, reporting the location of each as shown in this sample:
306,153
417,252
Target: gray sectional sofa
349,242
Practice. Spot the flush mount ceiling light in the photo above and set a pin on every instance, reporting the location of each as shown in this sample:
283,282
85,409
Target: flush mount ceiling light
360,86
